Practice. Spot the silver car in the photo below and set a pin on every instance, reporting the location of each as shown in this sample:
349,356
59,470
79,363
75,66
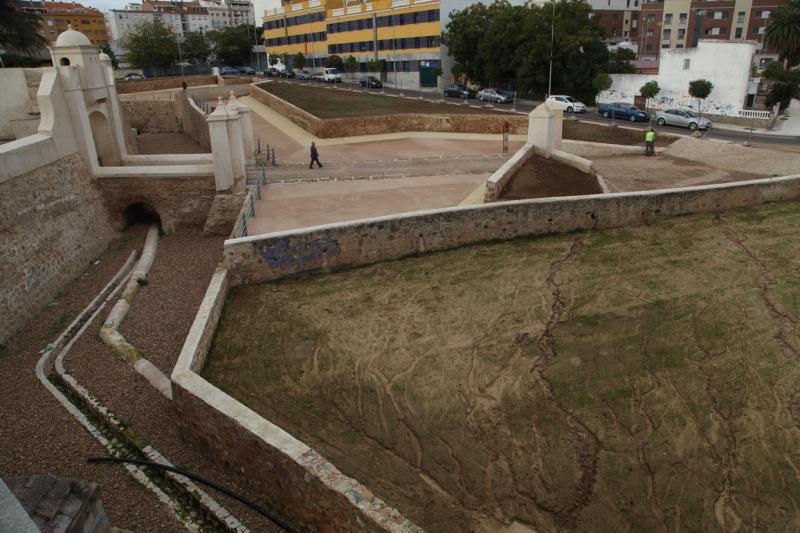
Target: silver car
683,118
494,95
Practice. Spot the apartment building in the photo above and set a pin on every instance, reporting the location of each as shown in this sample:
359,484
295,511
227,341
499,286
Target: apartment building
224,13
56,16
404,33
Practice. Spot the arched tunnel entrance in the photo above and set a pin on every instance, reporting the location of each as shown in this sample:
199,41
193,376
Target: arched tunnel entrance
140,213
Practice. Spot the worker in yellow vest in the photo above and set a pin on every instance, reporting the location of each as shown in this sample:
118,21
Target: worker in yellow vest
650,142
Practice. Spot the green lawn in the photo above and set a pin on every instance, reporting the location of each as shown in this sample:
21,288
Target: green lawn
327,102
638,379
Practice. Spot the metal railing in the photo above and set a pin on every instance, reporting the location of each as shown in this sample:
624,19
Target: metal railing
265,152
202,105
248,210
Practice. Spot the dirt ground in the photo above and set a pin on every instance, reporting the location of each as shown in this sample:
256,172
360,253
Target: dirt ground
639,173
168,143
542,178
584,131
639,379
328,103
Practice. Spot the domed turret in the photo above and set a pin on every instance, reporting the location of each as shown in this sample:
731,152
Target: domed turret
72,38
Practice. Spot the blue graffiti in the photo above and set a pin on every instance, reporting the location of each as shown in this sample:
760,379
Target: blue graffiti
280,254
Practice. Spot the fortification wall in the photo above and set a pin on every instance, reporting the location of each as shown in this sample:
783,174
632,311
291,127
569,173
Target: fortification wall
157,84
193,121
53,223
152,116
335,246
348,127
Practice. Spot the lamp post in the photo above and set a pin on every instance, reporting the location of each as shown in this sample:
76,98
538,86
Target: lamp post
180,55
552,40
394,50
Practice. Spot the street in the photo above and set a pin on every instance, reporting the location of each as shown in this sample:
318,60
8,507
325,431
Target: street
526,106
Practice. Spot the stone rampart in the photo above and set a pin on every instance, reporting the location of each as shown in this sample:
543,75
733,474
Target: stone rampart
406,122
345,245
193,120
299,484
53,223
158,84
152,116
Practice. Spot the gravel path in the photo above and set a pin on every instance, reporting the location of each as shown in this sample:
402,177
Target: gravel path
38,436
159,321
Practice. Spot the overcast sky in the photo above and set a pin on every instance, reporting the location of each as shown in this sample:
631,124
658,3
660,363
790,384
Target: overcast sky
105,5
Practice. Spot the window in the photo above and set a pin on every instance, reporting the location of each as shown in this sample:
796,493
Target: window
628,3
763,14
651,18
635,3
713,31
634,24
740,17
682,18
649,33
681,33
665,45
648,47
668,19
701,12
686,64
720,15
738,34
678,46
667,35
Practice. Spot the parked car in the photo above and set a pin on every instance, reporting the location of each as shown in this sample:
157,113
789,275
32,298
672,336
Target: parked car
286,73
683,118
247,71
271,72
133,76
303,75
370,82
623,111
494,95
566,103
228,71
458,91
331,75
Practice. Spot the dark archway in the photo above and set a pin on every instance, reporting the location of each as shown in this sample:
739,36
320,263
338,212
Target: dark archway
103,139
140,213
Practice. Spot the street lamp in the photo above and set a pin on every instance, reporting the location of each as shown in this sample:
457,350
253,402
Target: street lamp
180,55
394,50
552,39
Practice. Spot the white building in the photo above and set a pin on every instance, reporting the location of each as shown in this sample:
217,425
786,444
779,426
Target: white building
224,13
725,64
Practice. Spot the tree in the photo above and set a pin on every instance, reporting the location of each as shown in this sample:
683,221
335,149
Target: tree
783,32
649,90
619,62
601,82
334,61
785,84
196,47
106,49
351,64
232,45
700,89
500,41
19,30
299,61
376,65
151,44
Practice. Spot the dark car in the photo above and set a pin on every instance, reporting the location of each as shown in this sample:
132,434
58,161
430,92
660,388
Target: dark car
458,91
271,72
623,111
286,73
370,82
133,76
247,71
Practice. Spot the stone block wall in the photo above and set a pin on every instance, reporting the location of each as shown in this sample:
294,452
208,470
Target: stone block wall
53,222
193,121
179,201
152,116
336,246
157,84
233,81
347,127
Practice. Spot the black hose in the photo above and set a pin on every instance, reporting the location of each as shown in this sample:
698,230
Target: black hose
199,479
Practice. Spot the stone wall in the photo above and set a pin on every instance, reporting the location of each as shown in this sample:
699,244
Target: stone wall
180,201
301,486
157,84
152,116
208,94
233,81
735,157
192,120
345,245
53,223
348,127
223,213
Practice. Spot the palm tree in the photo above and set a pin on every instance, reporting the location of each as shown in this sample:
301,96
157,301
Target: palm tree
783,32
19,30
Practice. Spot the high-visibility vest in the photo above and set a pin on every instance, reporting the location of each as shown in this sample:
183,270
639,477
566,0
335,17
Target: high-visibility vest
650,136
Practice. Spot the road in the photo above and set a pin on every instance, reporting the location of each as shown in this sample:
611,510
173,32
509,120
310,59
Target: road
526,106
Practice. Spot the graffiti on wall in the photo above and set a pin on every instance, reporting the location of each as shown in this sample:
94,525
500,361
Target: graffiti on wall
280,254
709,106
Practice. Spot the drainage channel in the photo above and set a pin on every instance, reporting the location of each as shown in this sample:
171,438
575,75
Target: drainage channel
195,509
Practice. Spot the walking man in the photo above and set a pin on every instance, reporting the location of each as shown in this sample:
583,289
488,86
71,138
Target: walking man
649,142
314,156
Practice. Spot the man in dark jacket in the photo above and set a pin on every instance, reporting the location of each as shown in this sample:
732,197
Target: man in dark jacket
314,156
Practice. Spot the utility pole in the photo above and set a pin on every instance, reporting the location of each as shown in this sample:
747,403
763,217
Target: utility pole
552,40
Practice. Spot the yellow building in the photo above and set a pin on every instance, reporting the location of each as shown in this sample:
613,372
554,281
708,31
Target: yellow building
57,16
403,33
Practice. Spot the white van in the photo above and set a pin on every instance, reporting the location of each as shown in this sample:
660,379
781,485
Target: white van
331,75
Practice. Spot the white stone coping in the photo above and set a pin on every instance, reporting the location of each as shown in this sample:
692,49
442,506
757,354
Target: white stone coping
512,164
156,171
186,375
29,153
167,159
